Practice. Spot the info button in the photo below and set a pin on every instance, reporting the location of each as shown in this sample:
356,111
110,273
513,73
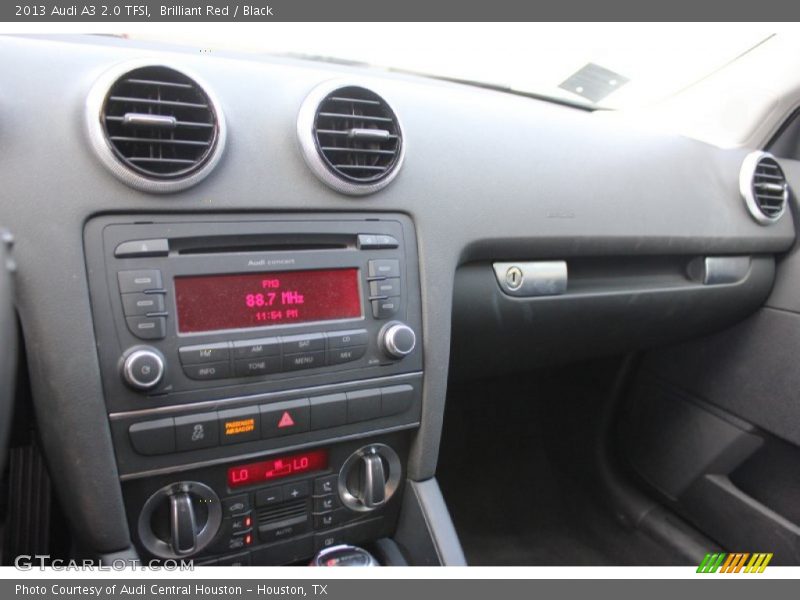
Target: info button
208,371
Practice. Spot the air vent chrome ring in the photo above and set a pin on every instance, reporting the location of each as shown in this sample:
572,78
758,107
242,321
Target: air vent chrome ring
123,169
763,186
315,154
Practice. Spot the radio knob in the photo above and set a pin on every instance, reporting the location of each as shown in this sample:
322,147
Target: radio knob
143,368
397,339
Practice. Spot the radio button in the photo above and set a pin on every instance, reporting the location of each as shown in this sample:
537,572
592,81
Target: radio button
257,348
383,309
368,241
328,411
192,355
385,287
303,343
153,437
142,248
138,304
208,371
240,425
384,268
139,281
193,432
147,328
257,366
363,405
396,399
343,355
284,418
345,339
306,360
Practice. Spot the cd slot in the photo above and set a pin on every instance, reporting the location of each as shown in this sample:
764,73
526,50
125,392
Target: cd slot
227,244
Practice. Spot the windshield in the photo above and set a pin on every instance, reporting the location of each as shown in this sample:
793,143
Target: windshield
600,65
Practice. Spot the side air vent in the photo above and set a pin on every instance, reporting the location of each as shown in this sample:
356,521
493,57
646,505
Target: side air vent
155,127
351,138
763,187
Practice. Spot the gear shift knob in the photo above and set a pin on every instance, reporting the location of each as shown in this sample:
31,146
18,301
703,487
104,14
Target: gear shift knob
344,556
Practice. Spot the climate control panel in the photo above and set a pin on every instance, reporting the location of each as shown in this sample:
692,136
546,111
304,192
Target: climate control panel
274,510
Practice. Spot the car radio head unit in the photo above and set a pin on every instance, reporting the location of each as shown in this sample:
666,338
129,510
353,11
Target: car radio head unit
192,309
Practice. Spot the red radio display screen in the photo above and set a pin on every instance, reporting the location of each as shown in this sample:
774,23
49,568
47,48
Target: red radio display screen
277,468
214,302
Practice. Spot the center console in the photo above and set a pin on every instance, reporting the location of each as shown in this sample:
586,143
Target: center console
262,376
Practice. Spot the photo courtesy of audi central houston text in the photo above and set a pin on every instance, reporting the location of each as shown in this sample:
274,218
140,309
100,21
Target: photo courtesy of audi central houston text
332,294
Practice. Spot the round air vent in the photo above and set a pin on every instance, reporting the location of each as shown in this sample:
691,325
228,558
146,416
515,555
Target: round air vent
763,187
350,137
155,127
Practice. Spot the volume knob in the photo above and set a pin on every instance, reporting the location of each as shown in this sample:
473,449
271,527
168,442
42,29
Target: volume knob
143,368
397,339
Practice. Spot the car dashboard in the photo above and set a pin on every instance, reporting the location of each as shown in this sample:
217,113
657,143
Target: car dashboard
243,283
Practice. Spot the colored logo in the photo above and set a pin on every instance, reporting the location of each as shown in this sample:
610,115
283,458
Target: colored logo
737,562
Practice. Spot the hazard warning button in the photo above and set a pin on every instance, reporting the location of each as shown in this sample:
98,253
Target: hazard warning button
284,418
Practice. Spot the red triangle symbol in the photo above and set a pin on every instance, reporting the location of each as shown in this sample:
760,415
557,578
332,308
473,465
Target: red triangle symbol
286,420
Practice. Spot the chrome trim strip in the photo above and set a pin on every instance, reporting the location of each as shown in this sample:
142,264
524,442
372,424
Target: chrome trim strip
308,145
225,402
264,453
97,138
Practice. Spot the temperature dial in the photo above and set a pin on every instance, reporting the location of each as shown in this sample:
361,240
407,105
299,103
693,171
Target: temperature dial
180,519
143,368
369,477
397,339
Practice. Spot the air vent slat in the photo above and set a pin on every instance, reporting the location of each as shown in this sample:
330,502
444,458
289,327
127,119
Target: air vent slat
153,82
355,100
346,133
119,138
358,138
360,167
352,117
191,124
171,161
359,150
157,102
764,187
160,123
